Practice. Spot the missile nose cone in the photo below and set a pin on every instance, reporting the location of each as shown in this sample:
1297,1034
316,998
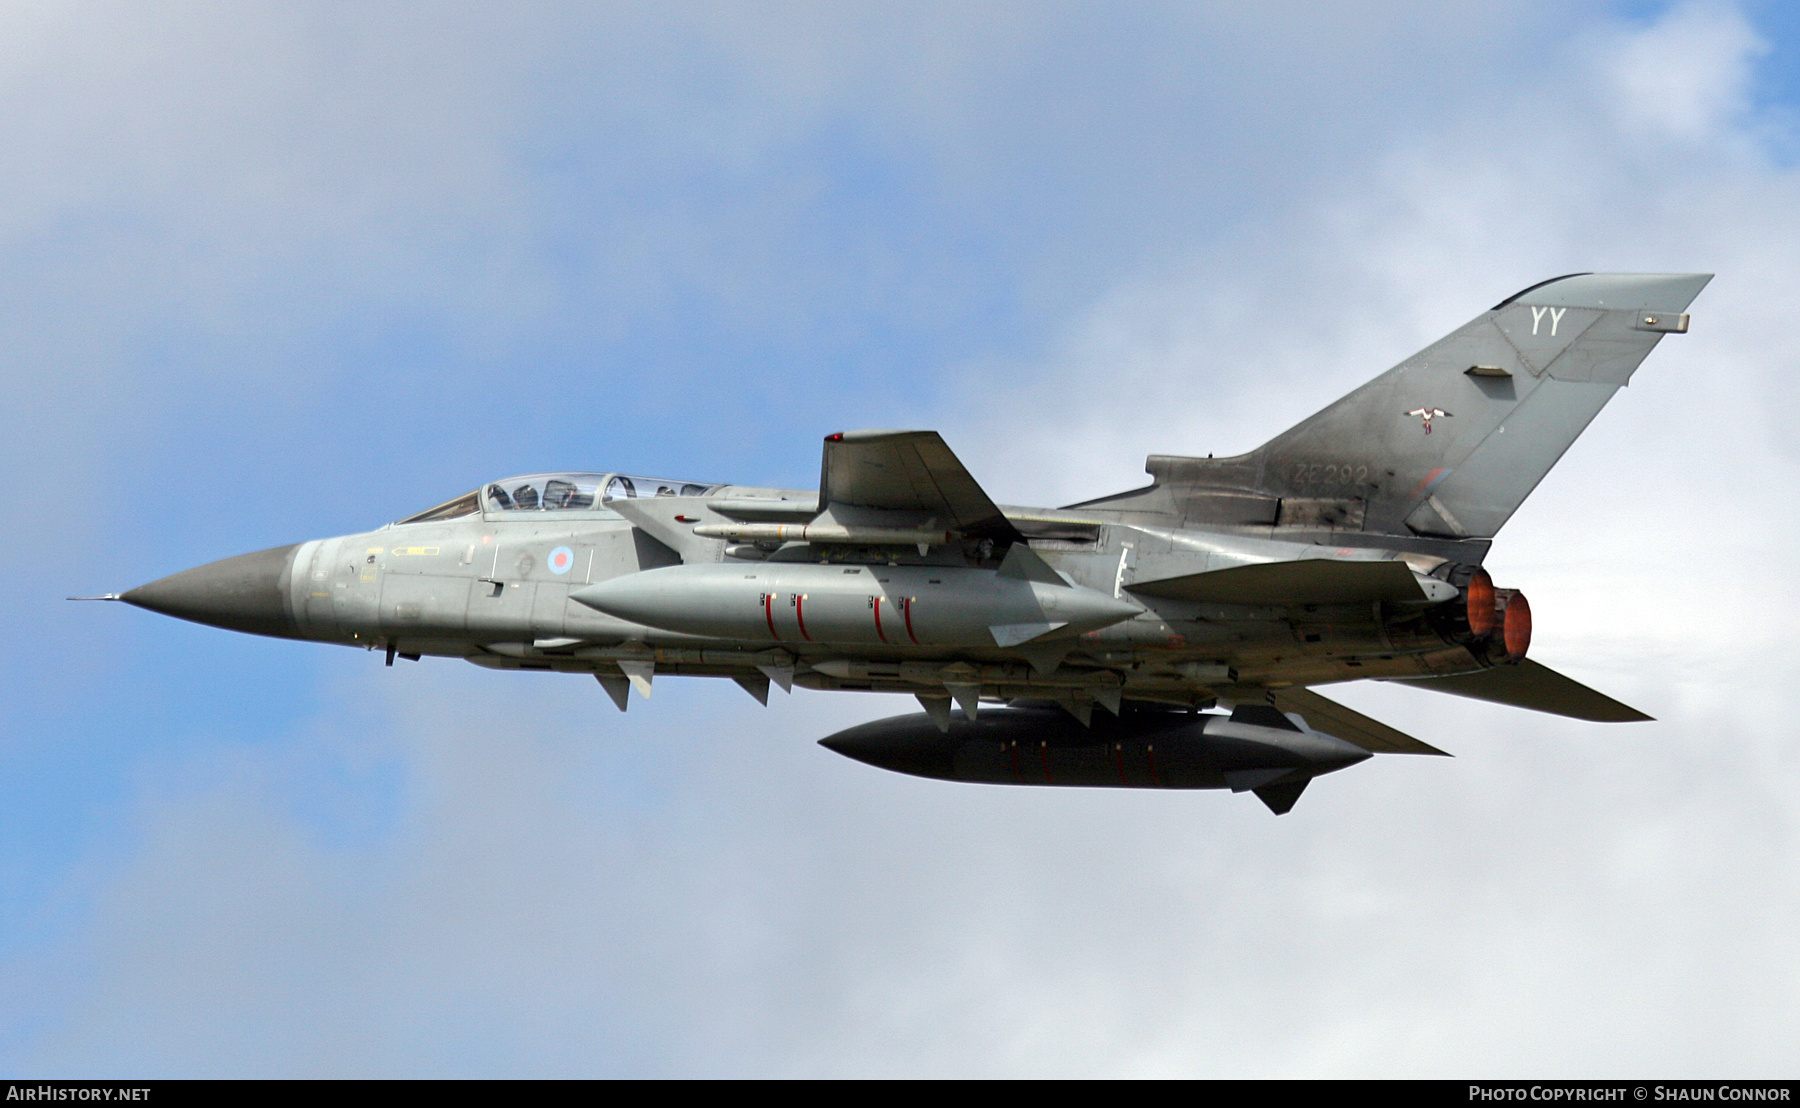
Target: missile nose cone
1100,606
905,744
1084,608
620,596
1336,754
245,593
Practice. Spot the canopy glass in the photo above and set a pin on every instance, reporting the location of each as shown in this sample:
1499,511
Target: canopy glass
553,492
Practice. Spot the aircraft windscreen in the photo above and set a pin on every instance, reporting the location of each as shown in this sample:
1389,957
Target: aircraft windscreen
465,505
579,491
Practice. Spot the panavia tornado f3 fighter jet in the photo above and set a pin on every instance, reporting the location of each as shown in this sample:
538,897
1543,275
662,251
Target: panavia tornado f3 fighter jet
1100,634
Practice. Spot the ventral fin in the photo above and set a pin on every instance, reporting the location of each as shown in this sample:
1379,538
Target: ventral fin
1046,656
781,675
639,673
967,696
616,687
938,708
755,686
1108,697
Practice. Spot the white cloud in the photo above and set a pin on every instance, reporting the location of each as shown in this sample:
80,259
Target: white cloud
1685,78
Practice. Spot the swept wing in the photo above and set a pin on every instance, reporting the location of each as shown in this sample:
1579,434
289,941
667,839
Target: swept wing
911,472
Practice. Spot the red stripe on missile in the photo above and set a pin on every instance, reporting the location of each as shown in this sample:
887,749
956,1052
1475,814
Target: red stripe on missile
800,614
906,607
878,631
769,614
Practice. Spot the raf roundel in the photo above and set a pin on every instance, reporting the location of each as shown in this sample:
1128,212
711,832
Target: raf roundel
561,559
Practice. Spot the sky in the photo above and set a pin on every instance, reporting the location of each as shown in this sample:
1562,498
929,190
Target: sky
271,272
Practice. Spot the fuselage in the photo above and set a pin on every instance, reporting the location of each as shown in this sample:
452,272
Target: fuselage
494,577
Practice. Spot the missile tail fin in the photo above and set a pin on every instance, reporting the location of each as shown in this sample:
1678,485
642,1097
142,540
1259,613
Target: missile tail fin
755,686
639,674
616,687
938,708
1281,798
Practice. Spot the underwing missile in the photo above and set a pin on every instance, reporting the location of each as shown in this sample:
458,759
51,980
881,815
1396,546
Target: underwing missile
1256,749
867,604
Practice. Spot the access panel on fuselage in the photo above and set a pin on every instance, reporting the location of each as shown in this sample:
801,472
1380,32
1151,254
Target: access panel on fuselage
356,588
424,580
524,573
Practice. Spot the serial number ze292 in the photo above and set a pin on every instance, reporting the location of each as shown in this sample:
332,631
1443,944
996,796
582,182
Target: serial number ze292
1324,473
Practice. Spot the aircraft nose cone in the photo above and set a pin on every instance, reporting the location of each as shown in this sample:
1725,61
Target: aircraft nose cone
245,593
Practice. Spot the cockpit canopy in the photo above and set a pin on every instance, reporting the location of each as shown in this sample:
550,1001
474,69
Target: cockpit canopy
549,492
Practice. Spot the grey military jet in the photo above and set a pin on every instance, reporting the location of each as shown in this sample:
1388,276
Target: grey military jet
1101,634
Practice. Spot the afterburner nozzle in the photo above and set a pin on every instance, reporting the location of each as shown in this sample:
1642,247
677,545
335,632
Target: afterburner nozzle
1479,597
1498,621
1515,624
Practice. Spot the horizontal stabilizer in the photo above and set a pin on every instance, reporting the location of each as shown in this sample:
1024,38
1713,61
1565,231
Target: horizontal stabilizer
1312,581
1530,685
1348,724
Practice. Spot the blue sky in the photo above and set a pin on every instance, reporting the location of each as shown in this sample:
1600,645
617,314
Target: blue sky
277,272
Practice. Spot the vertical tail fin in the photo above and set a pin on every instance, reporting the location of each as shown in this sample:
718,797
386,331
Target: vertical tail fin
1450,442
